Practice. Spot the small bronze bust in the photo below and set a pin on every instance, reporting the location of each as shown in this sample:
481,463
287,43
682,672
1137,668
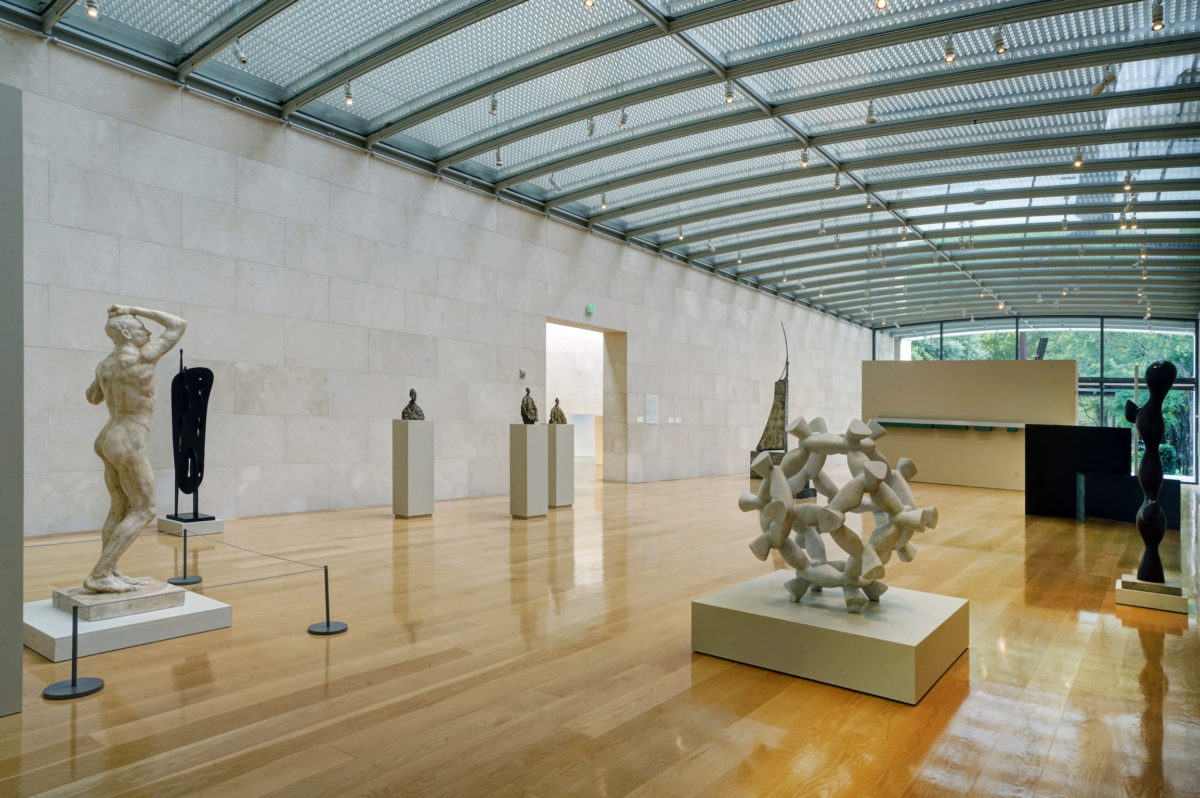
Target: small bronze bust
556,414
528,409
411,411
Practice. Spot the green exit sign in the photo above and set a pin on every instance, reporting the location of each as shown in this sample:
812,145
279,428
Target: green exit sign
591,308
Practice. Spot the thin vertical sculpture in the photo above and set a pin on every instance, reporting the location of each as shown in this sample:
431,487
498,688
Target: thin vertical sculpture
1148,420
190,389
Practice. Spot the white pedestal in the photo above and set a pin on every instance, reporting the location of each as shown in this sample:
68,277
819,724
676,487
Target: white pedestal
172,527
154,595
561,489
528,465
412,468
1167,596
48,630
896,648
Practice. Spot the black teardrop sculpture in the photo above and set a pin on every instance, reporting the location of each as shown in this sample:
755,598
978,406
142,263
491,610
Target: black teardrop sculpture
1148,421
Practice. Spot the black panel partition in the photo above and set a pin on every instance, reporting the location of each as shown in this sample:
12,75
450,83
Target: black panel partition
1064,464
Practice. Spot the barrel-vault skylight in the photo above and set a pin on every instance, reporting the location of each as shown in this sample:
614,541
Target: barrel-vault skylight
928,160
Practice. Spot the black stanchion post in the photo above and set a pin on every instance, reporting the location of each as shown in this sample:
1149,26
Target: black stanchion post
328,627
185,579
73,687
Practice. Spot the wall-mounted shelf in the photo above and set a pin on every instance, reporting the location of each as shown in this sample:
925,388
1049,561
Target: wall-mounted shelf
936,423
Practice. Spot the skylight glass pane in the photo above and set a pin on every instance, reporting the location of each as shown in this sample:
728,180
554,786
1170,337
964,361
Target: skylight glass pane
728,200
167,31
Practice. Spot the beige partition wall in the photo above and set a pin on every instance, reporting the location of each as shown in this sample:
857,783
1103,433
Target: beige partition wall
933,401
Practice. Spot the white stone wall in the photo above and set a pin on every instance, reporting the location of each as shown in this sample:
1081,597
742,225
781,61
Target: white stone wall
320,284
574,369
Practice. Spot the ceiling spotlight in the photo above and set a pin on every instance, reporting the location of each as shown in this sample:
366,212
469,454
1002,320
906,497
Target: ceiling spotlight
950,49
499,158
822,230
1039,299
870,118
93,11
680,232
494,105
1000,306
837,181
739,256
554,184
349,95
591,126
1108,77
804,158
589,3
1142,255
711,248
603,202
821,291
903,233
1156,15
1064,222
868,202
881,4
1064,291
238,52
1133,221
1129,180
729,92
623,122
1144,274
1078,161
837,240
1124,224
999,40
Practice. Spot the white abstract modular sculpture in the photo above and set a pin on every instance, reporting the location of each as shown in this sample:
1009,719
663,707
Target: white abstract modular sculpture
874,487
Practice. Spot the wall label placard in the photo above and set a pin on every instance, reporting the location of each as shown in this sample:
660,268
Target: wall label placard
651,408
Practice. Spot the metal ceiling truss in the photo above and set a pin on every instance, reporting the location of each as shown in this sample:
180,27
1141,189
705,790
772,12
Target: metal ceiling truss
231,33
962,198
935,80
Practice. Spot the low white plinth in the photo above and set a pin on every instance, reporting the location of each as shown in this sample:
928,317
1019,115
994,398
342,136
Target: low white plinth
1167,596
48,630
528,464
153,595
896,648
412,468
173,527
561,490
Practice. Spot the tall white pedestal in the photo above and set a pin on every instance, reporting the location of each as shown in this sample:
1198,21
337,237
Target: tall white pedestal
561,490
528,467
896,648
412,468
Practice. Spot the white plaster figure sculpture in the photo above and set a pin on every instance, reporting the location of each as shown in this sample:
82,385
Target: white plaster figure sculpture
875,487
125,381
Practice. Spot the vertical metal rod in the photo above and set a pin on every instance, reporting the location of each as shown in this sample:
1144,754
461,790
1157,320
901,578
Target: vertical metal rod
74,645
326,569
185,552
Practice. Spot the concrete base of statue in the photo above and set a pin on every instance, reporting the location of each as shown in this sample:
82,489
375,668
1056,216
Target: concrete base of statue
528,465
175,526
561,469
897,648
412,468
1167,596
47,630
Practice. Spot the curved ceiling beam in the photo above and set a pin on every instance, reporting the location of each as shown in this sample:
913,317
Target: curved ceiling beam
379,56
938,78
234,29
962,198
931,179
992,213
1179,45
936,235
1164,132
1018,233
56,11
570,58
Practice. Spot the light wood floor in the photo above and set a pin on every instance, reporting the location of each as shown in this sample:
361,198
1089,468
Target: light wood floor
493,657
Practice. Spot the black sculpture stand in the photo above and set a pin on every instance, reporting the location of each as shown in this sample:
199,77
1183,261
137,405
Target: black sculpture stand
76,686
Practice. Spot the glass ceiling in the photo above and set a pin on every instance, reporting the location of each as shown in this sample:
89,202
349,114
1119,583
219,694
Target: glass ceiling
757,129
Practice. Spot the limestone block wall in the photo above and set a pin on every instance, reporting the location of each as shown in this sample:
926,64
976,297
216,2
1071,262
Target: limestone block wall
320,284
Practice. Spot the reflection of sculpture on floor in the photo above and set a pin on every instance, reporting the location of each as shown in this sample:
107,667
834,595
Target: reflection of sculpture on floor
412,411
528,409
875,487
1148,419
556,414
125,381
190,389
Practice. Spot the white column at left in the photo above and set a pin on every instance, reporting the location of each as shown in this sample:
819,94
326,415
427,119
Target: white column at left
12,397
